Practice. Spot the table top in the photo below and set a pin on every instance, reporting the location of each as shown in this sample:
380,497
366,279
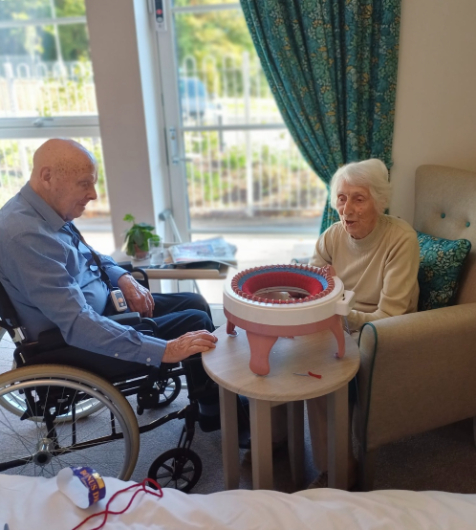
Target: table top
184,274
228,365
172,274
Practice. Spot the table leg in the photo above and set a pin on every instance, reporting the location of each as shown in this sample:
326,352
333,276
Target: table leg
338,437
261,446
317,416
229,438
296,441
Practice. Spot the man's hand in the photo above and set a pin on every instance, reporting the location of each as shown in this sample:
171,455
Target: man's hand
138,298
188,344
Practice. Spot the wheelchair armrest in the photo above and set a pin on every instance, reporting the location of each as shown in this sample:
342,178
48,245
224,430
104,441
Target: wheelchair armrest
126,319
51,339
137,272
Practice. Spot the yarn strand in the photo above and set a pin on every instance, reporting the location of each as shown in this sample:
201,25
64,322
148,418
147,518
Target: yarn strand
142,487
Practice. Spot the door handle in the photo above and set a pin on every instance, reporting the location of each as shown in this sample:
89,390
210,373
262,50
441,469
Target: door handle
176,159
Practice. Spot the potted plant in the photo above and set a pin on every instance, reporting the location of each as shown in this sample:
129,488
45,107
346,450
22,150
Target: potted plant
136,238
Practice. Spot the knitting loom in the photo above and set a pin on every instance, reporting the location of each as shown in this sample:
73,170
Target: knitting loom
284,301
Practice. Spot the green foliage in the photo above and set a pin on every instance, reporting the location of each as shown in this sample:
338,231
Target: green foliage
39,41
137,236
59,94
221,34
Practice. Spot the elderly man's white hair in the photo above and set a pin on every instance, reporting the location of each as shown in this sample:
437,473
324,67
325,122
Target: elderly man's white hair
371,174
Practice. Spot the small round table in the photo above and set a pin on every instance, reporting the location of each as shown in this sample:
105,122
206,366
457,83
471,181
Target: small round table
228,365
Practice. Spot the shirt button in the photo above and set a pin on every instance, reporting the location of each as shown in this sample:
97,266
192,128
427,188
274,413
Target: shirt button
116,355
148,359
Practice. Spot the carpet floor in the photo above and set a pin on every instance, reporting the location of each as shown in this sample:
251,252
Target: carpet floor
443,459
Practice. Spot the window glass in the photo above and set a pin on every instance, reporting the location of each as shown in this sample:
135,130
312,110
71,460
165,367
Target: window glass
220,77
37,9
16,161
45,70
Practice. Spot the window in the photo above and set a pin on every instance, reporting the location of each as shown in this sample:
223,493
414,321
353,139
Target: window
46,87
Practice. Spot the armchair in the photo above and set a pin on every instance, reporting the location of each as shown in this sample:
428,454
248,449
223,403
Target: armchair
418,371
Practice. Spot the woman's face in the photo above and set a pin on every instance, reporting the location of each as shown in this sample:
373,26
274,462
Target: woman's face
356,209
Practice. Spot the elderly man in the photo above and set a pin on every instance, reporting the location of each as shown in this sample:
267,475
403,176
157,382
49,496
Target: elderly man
375,255
53,279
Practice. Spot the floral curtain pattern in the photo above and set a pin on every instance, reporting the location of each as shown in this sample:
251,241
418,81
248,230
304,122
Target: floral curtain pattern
332,68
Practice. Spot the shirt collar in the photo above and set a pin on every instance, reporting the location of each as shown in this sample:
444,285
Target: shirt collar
42,207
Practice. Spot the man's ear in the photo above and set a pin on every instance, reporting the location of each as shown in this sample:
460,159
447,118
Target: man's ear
45,176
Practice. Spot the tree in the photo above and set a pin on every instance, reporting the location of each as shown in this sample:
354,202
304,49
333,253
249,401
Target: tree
39,41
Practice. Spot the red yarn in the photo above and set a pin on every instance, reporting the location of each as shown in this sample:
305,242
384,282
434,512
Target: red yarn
107,511
282,278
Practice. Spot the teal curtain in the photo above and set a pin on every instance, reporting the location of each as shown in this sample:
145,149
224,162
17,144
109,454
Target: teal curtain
332,68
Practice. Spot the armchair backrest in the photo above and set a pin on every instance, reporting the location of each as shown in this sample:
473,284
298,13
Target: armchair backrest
445,206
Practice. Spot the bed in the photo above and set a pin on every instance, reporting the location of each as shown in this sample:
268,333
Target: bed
35,502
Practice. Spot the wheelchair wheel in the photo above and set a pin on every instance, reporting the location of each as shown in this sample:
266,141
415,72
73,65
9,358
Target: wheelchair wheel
15,402
169,390
178,468
49,435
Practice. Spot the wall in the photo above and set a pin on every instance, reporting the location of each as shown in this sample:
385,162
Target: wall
133,154
435,119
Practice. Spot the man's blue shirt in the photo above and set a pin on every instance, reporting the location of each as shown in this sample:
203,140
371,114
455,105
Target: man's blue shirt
54,282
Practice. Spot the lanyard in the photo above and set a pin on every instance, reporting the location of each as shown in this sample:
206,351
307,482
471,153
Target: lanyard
70,229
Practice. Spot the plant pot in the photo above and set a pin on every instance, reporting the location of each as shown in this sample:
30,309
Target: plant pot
140,254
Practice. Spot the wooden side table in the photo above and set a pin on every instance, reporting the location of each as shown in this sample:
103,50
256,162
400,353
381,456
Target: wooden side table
228,364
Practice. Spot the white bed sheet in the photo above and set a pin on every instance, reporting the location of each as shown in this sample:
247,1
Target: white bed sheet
36,503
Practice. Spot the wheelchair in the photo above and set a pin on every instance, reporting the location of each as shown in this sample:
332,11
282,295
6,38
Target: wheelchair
55,415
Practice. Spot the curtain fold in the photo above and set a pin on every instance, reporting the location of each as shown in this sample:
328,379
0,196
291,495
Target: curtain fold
332,68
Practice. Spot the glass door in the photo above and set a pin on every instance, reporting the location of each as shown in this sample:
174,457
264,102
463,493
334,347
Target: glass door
232,161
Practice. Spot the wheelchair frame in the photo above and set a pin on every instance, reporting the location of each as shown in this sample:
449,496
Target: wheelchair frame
56,401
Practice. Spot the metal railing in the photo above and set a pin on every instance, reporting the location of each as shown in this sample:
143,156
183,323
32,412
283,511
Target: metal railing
56,88
240,157
16,162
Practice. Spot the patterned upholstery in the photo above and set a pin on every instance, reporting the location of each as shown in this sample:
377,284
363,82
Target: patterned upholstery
441,262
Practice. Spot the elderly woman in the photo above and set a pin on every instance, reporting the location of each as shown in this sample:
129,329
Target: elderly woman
376,256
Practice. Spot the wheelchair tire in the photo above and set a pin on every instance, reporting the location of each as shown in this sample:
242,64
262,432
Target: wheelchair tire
169,390
55,437
15,402
178,468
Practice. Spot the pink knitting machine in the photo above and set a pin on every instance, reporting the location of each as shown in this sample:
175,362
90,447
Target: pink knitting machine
284,301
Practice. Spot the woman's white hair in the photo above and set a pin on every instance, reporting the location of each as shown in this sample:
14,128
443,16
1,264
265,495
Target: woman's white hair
371,174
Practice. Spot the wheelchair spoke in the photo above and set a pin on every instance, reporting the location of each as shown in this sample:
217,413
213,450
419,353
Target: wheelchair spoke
169,469
11,433
43,428
5,466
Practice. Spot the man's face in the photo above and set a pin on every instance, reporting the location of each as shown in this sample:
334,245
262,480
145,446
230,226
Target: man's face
71,190
356,209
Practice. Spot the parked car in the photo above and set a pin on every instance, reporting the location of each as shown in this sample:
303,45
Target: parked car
194,98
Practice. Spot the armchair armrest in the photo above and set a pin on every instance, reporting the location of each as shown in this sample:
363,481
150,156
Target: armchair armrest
418,372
